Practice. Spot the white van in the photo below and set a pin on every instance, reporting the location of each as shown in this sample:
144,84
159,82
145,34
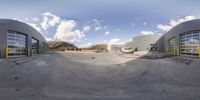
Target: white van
127,50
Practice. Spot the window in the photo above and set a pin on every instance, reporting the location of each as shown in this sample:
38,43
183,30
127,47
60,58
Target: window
16,44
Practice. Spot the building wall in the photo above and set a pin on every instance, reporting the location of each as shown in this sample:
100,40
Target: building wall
193,25
142,43
116,48
13,25
160,44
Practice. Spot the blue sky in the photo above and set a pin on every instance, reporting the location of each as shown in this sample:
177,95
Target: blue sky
87,22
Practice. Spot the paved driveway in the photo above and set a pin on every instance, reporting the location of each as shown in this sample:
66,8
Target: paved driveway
99,76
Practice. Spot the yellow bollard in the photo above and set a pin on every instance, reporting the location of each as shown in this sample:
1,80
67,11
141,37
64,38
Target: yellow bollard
6,53
199,53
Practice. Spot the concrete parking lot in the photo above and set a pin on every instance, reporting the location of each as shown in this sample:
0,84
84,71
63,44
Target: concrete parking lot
99,76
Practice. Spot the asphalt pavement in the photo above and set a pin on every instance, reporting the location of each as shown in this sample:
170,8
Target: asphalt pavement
99,76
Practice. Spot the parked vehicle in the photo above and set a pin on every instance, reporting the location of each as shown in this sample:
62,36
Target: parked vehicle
127,50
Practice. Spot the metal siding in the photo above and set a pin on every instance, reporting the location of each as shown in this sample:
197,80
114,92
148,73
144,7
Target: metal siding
192,25
7,24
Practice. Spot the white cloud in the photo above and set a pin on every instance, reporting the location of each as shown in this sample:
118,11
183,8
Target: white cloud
35,26
164,27
66,32
107,33
44,24
35,19
49,20
25,20
86,28
97,24
147,33
49,39
173,23
65,29
97,28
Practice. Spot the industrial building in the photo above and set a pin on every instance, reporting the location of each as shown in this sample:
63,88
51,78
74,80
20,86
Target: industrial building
139,43
18,39
116,48
183,39
144,43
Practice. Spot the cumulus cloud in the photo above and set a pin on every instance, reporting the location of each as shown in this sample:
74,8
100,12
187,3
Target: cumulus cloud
164,28
25,20
86,28
173,23
147,33
107,33
97,24
49,20
35,26
35,19
66,32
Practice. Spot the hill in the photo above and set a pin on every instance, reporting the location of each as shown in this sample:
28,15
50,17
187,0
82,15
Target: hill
61,45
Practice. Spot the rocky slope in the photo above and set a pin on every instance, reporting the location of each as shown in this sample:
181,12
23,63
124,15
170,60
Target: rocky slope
60,45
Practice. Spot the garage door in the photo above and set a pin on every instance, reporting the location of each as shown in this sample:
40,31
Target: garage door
189,44
35,46
16,44
172,45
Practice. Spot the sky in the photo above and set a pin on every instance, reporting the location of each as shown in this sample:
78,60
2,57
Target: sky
90,22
